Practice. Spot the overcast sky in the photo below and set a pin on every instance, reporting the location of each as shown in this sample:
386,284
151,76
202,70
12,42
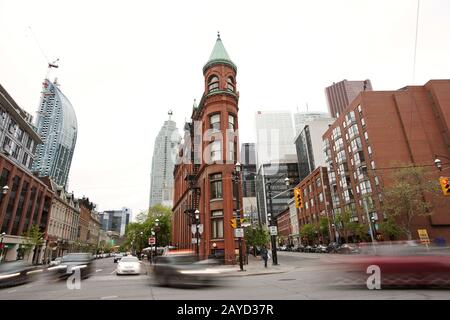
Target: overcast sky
123,64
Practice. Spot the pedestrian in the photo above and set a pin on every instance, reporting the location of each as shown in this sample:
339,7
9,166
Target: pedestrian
264,255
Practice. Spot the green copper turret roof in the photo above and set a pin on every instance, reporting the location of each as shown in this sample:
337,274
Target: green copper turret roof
219,56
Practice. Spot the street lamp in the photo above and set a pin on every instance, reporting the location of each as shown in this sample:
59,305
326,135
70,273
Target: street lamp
141,244
236,174
197,221
273,235
156,235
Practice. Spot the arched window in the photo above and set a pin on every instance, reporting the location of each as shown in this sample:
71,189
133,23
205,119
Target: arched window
213,84
230,84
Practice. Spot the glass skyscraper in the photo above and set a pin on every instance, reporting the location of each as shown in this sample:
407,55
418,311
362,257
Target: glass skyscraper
163,163
56,123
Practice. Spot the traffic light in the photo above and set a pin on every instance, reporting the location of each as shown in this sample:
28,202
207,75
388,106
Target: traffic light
233,222
445,185
298,198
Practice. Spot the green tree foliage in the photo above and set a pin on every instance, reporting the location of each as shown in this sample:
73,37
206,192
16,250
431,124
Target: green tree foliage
137,241
33,238
256,237
404,198
390,228
342,222
308,231
323,227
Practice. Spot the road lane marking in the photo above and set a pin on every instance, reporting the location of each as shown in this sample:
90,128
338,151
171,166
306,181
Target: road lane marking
109,297
98,270
11,291
113,272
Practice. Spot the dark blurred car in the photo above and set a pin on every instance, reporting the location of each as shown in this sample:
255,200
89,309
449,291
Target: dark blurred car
347,248
184,270
73,261
308,248
333,247
16,272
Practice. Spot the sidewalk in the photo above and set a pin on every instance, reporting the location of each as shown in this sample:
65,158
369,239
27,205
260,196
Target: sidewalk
255,267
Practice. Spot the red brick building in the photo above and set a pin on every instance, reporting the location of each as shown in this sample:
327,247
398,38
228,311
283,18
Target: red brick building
203,176
316,202
284,227
379,130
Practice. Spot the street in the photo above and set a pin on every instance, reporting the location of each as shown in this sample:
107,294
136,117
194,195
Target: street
312,277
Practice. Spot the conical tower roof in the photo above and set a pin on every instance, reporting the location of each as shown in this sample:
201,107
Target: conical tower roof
219,55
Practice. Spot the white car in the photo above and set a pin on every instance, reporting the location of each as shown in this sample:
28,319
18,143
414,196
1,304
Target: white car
129,265
55,262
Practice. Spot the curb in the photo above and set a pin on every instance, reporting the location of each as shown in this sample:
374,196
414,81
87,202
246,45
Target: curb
243,274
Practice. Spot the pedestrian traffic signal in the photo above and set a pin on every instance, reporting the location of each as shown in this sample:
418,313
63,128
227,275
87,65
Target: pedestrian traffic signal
445,185
298,198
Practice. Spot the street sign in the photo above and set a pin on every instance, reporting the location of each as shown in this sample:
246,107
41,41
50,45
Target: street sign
194,240
193,229
423,235
200,228
273,230
239,232
151,240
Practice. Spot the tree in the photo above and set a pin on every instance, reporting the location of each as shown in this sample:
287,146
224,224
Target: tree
390,228
256,237
308,231
136,241
342,222
33,239
323,227
404,199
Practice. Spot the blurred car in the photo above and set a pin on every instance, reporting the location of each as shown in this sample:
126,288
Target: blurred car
401,266
348,248
129,265
183,269
118,256
16,272
283,248
55,262
72,261
308,248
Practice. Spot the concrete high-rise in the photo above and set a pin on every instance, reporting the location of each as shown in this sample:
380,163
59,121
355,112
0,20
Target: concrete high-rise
340,95
56,123
163,163
301,119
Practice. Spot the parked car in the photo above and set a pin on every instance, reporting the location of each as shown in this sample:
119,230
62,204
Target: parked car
348,248
321,249
55,262
118,256
332,247
129,265
16,272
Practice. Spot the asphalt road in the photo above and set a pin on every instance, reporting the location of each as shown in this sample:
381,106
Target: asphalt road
313,278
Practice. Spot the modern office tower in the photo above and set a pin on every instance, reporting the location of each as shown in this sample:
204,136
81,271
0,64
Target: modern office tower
274,137
56,123
340,95
163,162
115,220
379,132
248,162
301,119
308,144
275,173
